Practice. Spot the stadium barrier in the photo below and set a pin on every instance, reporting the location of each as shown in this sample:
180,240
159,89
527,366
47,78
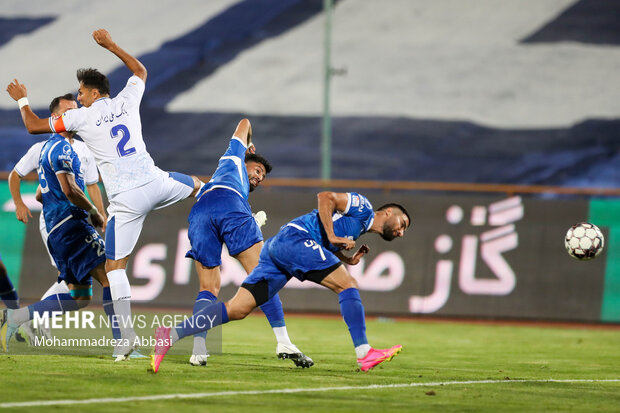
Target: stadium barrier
476,251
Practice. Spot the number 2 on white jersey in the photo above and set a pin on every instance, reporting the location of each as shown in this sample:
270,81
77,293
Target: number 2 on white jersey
121,131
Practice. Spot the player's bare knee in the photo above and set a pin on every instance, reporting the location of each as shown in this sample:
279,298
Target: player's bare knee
236,312
345,284
352,282
111,265
215,290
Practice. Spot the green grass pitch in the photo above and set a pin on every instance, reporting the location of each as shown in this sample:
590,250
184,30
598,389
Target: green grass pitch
516,362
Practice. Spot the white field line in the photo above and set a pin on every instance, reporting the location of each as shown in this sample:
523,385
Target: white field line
285,391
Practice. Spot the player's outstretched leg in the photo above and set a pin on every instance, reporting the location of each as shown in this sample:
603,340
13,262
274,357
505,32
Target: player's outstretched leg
285,348
353,313
352,310
15,318
205,319
199,352
209,317
56,288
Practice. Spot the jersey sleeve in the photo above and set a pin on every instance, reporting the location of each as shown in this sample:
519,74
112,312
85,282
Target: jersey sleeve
72,120
133,91
358,206
30,161
61,159
236,148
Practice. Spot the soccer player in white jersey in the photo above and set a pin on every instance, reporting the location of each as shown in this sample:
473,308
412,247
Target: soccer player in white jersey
29,163
112,130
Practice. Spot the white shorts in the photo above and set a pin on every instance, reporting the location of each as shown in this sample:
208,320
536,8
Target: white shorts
127,210
44,235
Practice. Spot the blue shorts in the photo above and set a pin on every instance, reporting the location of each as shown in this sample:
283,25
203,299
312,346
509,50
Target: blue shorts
220,216
291,253
77,249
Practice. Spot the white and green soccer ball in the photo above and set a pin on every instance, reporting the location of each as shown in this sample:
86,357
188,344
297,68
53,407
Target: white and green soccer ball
584,241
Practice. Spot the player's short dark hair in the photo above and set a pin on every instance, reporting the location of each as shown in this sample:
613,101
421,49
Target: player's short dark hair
56,101
254,157
398,206
94,79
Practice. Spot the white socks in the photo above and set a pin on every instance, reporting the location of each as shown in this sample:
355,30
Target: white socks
120,290
174,336
282,335
200,345
362,350
19,316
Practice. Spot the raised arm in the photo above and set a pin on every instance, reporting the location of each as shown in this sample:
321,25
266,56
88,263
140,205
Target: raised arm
103,39
33,123
244,131
330,202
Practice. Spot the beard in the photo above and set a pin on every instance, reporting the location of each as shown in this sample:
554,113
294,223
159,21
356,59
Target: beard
387,234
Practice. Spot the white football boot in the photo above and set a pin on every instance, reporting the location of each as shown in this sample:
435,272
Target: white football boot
291,352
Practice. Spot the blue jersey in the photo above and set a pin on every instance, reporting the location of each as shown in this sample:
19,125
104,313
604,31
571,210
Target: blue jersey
355,220
231,173
57,157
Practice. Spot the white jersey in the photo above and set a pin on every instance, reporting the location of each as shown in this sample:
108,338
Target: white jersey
30,161
112,130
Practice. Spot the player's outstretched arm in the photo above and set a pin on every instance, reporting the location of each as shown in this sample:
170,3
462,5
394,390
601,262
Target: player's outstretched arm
21,210
330,202
33,123
103,39
244,131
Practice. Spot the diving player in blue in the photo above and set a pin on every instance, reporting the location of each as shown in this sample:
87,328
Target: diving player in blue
221,215
75,245
308,248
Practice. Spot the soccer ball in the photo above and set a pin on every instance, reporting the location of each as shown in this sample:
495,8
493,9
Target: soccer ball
584,241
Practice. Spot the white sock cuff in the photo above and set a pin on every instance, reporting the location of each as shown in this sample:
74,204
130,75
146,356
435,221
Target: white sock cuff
362,350
282,335
119,285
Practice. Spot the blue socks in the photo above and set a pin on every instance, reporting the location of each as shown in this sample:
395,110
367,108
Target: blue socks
7,293
273,311
204,299
352,311
210,316
57,302
108,307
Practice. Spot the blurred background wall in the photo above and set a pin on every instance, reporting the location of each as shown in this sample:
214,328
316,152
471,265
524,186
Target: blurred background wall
447,91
